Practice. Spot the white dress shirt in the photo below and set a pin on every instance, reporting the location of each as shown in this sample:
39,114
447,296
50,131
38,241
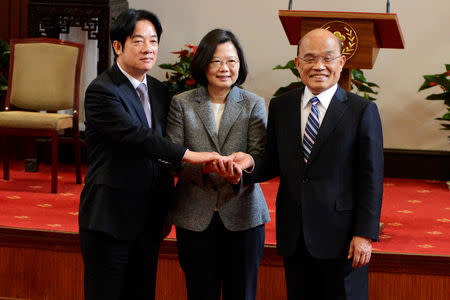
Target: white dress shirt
322,106
133,80
218,109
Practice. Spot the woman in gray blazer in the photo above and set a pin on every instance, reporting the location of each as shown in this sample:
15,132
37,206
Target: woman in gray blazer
219,225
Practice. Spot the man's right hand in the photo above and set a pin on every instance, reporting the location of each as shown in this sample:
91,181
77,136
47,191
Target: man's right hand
201,157
225,168
232,166
243,160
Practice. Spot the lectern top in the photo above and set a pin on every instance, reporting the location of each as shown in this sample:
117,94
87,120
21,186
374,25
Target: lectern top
386,24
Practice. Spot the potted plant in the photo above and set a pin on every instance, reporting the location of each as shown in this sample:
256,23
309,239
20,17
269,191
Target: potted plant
360,85
180,79
442,81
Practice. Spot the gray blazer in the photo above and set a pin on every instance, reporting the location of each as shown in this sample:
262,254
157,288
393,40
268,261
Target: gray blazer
242,128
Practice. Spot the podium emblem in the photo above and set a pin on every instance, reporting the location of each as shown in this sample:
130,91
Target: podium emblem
346,34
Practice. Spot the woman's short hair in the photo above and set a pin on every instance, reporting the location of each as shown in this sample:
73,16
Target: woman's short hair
123,26
205,52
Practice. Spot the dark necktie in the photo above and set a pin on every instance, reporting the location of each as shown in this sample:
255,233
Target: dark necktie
311,129
143,95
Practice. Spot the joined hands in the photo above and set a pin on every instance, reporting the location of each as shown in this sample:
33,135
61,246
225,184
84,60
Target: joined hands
228,167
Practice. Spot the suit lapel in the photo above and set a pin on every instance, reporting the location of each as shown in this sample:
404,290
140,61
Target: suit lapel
293,119
334,113
204,112
155,106
231,113
291,125
128,94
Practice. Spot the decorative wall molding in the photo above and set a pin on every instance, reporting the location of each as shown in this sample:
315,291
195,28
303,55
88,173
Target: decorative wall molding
51,18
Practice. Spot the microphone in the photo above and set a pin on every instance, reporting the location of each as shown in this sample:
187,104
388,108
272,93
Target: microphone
290,5
388,6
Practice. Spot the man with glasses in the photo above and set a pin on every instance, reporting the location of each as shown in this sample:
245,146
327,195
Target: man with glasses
326,145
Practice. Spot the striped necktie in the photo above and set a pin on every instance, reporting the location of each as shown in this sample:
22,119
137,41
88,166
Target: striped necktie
143,95
311,129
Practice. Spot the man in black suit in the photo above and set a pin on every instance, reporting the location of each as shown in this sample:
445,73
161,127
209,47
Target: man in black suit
331,176
123,203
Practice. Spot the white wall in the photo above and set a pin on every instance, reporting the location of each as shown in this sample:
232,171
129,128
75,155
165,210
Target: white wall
408,119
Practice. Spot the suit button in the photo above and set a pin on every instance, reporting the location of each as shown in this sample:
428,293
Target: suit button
305,180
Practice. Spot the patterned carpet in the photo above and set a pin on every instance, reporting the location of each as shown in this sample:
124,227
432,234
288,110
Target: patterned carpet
416,212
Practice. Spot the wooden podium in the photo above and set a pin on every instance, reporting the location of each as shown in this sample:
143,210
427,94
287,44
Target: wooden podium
362,34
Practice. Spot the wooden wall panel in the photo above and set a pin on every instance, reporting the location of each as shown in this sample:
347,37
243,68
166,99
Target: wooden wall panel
13,19
28,273
43,265
4,19
170,282
392,286
422,164
271,283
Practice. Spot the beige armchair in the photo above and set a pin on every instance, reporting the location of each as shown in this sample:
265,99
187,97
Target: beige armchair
44,78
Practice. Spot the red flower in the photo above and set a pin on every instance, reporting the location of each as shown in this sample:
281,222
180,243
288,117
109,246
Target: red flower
193,47
433,83
167,75
190,81
182,53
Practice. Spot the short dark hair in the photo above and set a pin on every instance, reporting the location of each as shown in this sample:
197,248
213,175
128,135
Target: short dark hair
205,52
123,26
338,41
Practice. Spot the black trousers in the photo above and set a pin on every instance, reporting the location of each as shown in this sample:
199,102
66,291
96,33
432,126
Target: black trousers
119,270
218,260
310,278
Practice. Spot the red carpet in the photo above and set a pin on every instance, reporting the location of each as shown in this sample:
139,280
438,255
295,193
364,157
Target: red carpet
416,212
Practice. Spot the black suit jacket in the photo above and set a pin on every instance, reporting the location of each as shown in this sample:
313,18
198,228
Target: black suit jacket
125,186
338,193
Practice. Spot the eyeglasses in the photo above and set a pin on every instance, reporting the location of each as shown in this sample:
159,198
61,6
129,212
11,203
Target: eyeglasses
231,62
314,59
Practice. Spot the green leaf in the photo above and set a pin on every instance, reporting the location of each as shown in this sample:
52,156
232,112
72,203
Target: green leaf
184,67
187,59
291,86
445,117
365,88
431,78
289,65
179,69
167,66
439,79
372,84
425,85
358,75
368,97
442,96
295,72
444,82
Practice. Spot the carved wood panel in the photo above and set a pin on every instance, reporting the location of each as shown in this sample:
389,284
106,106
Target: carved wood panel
52,17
